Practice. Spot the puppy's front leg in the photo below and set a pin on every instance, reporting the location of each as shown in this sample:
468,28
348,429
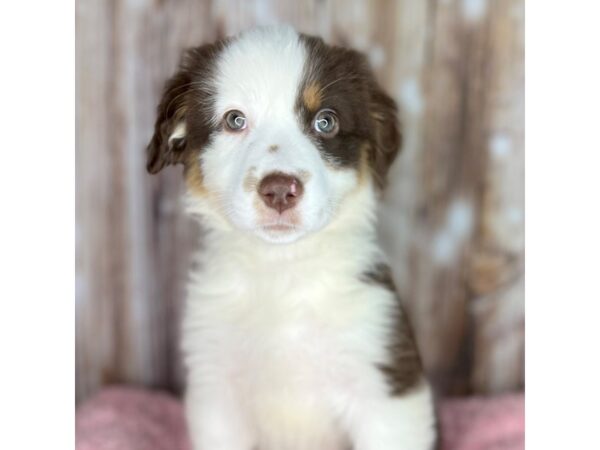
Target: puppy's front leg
405,422
215,421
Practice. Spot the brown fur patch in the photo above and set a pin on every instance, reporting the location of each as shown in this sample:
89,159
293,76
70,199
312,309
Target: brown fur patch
404,370
273,148
340,79
185,100
194,179
365,170
312,96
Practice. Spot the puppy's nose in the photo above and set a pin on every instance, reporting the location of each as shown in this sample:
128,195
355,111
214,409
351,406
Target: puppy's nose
280,191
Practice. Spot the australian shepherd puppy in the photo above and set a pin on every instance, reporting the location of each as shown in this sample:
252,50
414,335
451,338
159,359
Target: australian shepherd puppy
293,335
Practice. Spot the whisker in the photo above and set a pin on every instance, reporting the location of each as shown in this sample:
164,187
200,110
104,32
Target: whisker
343,78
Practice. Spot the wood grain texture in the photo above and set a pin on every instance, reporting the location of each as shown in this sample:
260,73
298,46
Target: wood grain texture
452,219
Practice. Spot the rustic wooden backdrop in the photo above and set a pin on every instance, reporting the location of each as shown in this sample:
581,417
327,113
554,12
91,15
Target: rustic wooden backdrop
452,220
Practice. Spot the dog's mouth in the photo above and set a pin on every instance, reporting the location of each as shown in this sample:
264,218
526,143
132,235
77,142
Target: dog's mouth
279,228
280,231
279,224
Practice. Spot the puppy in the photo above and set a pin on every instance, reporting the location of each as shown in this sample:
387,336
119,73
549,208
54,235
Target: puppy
293,336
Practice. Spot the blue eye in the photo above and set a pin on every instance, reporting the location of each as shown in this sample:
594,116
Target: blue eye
235,120
326,123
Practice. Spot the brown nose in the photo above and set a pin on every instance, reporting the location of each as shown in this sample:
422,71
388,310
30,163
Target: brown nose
280,191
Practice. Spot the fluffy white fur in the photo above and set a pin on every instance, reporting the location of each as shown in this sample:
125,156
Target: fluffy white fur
281,337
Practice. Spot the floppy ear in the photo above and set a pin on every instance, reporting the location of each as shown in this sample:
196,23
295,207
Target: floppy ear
386,135
169,144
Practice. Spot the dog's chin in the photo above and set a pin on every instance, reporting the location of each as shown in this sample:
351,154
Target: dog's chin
280,233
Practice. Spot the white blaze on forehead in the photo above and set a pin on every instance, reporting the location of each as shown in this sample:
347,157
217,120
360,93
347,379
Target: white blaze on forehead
260,72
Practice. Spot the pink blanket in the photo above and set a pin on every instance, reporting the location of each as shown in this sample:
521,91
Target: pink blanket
124,418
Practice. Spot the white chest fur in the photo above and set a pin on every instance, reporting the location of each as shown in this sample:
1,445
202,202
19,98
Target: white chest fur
283,344
296,340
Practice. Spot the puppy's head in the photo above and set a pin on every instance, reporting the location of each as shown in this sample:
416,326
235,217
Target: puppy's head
275,130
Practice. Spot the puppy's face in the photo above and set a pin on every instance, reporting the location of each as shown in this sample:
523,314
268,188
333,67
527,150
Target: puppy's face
275,130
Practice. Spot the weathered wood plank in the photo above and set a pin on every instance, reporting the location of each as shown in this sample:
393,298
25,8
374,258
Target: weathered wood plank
454,218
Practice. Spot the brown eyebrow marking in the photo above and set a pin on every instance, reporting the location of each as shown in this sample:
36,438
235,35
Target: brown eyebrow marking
312,96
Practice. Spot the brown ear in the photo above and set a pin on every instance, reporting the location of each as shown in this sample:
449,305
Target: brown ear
166,147
169,144
386,137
